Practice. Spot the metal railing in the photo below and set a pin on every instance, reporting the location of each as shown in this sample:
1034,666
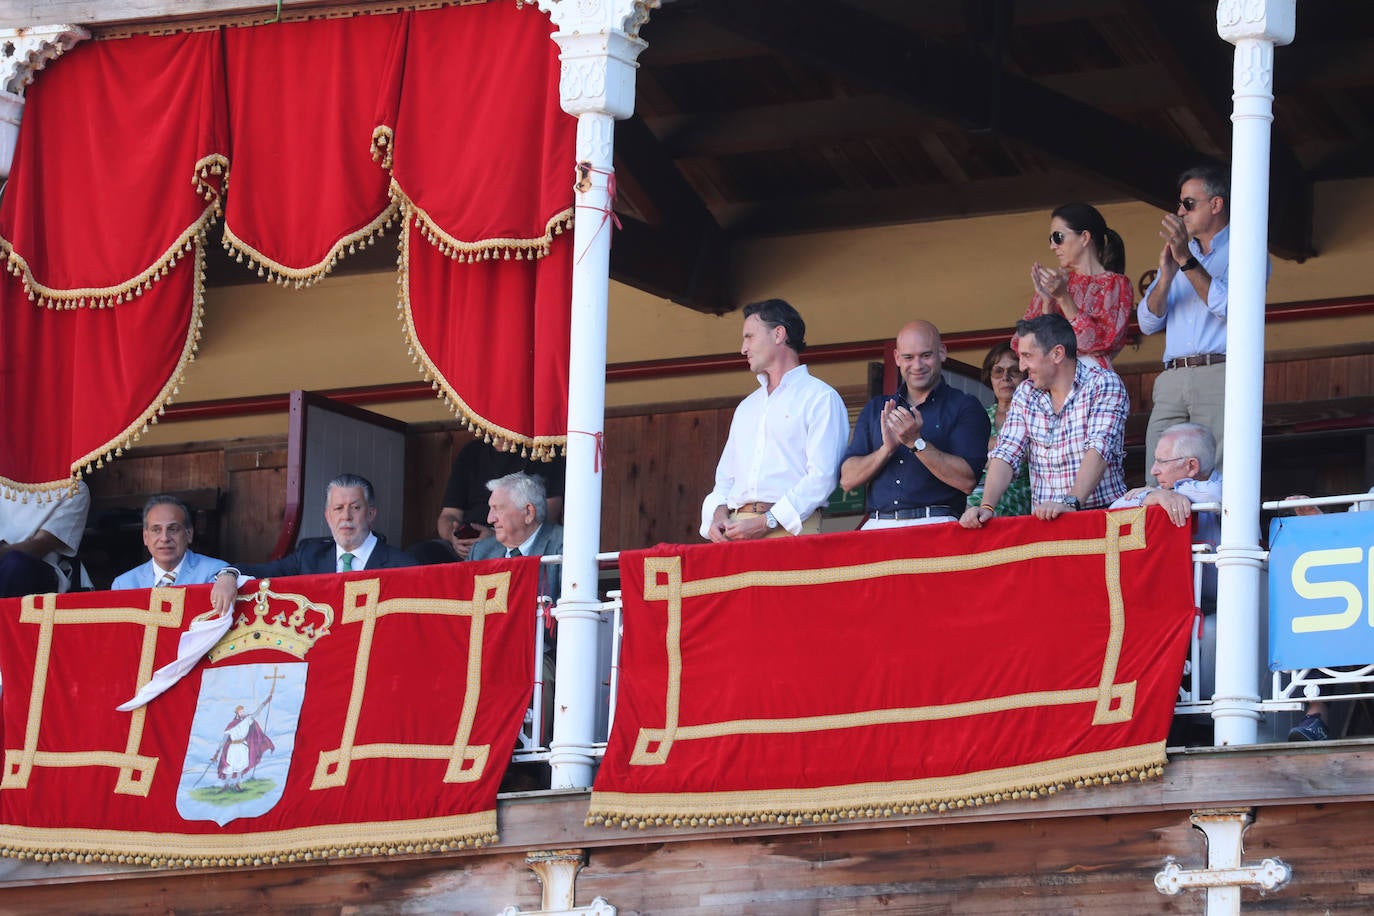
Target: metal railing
1289,690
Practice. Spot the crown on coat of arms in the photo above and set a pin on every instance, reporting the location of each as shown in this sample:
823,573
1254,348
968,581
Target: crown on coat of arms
275,620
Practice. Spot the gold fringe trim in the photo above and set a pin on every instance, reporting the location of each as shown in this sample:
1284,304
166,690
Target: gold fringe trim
483,249
135,430
831,804
542,448
304,844
299,277
210,178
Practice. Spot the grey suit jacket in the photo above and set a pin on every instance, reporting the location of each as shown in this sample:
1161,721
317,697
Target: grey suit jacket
548,540
196,569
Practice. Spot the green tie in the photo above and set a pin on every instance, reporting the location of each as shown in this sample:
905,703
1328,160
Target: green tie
513,552
347,560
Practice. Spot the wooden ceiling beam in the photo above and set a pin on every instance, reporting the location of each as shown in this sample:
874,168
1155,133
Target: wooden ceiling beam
967,88
681,252
936,201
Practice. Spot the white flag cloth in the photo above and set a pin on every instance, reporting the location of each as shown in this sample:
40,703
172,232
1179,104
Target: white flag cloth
194,643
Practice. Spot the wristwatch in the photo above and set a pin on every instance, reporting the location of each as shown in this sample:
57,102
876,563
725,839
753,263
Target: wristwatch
770,519
919,445
1188,264
1071,501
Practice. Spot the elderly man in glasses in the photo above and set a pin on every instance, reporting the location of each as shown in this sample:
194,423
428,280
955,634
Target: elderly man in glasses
1188,300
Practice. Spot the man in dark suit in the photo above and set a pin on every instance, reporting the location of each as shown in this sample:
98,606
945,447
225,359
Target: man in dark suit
518,516
349,508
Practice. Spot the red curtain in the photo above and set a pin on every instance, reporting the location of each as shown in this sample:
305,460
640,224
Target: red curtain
121,143
302,103
486,323
980,665
119,170
391,702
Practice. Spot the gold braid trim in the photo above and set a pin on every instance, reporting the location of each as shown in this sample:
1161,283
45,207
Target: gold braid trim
543,448
873,800
210,179
276,272
135,430
277,847
483,249
343,11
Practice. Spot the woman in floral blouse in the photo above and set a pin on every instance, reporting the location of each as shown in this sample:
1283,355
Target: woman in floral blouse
1088,287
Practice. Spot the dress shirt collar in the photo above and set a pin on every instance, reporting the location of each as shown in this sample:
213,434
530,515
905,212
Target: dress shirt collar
528,544
1222,240
360,556
787,378
159,572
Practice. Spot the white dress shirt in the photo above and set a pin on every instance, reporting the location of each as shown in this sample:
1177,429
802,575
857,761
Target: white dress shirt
784,448
360,555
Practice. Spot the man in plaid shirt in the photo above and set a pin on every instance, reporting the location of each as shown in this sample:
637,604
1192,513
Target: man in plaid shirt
1068,419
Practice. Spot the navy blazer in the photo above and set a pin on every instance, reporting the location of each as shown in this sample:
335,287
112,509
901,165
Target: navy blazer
318,555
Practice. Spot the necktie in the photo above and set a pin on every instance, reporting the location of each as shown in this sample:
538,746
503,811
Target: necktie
165,579
513,552
347,561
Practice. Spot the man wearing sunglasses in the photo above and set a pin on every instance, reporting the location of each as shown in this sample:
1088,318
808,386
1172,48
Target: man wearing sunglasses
1188,301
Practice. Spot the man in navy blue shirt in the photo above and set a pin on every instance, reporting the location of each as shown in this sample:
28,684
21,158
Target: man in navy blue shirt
921,448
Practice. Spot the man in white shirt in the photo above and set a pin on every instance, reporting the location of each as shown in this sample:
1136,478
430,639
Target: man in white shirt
781,461
36,531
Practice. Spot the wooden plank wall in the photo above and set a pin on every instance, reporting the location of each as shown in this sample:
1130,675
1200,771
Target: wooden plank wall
1054,865
660,460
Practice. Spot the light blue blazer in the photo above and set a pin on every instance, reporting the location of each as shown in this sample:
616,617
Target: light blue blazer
196,569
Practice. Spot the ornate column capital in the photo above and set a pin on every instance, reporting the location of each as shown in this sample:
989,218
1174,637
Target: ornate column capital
1257,20
23,52
600,44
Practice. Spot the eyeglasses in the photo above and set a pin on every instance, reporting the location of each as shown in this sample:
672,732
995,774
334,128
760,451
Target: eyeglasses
1006,372
1167,460
1057,237
172,530
1188,203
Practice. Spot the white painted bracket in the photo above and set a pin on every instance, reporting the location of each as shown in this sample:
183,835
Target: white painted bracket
557,871
1225,874
23,52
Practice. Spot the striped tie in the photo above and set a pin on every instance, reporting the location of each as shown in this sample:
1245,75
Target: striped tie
166,579
347,562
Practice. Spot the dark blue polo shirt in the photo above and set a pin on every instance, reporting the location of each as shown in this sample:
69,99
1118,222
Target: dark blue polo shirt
952,421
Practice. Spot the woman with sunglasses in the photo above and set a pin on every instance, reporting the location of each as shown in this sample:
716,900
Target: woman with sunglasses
1089,288
1002,373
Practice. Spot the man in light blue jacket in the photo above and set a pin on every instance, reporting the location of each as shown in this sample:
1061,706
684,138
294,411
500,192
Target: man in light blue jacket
167,534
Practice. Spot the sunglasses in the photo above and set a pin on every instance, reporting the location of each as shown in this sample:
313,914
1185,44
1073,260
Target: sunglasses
1057,237
1188,203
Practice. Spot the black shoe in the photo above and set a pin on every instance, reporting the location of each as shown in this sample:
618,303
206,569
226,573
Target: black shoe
1311,728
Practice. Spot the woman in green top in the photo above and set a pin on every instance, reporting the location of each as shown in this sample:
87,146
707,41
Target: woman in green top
1002,373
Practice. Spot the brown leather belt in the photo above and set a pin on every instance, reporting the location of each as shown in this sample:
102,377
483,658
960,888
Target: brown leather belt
756,508
1189,362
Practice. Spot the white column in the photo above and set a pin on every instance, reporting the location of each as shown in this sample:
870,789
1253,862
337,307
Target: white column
599,45
26,52
1254,27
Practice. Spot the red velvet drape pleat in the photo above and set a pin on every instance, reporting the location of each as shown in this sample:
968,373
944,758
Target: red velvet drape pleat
324,129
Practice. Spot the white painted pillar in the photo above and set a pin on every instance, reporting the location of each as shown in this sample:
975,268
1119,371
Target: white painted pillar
23,52
1254,27
600,45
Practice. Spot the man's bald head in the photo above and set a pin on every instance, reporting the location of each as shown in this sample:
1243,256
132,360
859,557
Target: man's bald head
920,355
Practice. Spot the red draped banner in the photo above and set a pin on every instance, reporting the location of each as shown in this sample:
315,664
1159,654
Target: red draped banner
873,673
328,128
362,713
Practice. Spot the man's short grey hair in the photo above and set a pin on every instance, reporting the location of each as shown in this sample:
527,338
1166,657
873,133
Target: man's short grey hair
163,499
1193,440
351,482
1216,181
525,490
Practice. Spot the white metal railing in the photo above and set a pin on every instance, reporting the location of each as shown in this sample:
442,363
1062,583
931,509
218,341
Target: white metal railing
1289,691
532,740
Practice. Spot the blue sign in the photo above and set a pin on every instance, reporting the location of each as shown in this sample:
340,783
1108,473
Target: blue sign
1321,581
